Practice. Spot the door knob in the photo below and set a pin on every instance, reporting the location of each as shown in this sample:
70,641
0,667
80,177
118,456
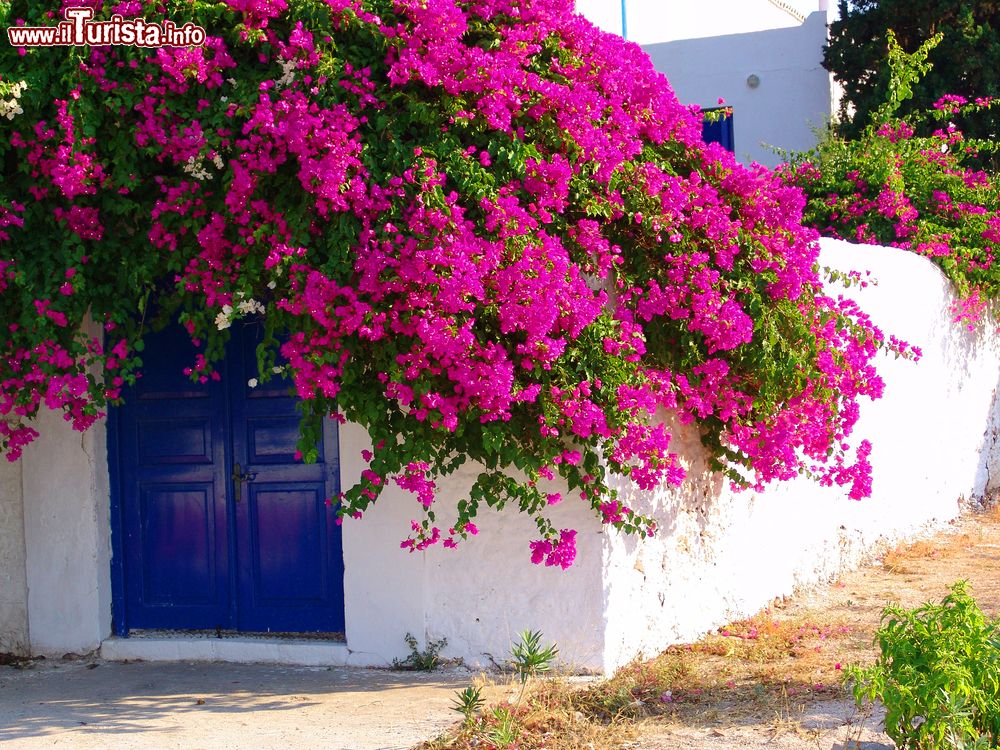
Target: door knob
239,477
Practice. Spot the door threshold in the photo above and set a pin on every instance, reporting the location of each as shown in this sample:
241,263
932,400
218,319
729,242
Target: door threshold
237,649
235,634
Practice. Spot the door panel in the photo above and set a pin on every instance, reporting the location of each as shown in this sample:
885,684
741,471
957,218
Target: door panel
171,457
177,540
175,441
199,552
272,440
288,542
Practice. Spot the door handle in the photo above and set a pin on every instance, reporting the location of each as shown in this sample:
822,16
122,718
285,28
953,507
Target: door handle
239,477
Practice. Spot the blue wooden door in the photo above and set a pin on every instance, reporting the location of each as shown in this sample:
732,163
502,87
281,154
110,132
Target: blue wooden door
288,549
220,526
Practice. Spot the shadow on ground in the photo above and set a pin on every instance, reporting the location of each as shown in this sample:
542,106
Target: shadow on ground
84,704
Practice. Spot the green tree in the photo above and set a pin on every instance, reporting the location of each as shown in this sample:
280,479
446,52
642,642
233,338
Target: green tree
966,62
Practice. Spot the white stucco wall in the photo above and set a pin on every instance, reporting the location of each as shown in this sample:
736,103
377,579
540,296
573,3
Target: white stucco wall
384,586
67,537
793,99
487,592
13,586
480,595
719,554
724,555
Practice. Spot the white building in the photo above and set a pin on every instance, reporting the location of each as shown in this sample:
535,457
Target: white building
762,57
657,21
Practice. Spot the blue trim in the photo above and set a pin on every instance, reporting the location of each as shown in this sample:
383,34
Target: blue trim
624,21
119,625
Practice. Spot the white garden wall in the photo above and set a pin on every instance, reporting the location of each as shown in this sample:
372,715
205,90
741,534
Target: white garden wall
719,554
724,555
479,596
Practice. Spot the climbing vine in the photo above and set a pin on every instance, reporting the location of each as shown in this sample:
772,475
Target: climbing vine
484,230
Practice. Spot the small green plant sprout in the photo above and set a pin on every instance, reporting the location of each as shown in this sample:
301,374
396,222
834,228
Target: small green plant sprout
426,660
528,657
468,702
937,673
504,731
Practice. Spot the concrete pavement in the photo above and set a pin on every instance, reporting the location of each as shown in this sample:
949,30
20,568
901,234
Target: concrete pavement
88,704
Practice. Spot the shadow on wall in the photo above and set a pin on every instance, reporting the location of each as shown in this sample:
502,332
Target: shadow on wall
967,352
988,474
684,514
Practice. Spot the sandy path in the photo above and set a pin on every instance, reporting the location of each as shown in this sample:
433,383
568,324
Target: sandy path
968,549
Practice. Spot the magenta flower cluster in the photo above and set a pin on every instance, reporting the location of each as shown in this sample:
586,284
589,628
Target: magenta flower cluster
483,229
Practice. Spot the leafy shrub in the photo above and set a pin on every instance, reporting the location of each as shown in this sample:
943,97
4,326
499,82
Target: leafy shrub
938,674
484,230
891,186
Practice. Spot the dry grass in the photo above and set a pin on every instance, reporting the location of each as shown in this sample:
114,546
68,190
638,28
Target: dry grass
766,666
546,716
901,559
766,670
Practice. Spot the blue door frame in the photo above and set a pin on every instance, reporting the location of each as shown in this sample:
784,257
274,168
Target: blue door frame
192,546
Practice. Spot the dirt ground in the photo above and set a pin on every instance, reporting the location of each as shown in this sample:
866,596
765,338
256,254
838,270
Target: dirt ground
774,680
910,575
779,690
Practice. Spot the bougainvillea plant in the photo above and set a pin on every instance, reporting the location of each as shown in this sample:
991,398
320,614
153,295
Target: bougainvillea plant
483,229
912,183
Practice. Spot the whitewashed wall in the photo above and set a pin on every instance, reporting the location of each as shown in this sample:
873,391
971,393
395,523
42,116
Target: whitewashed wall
719,554
488,592
725,555
479,596
13,586
67,537
794,96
